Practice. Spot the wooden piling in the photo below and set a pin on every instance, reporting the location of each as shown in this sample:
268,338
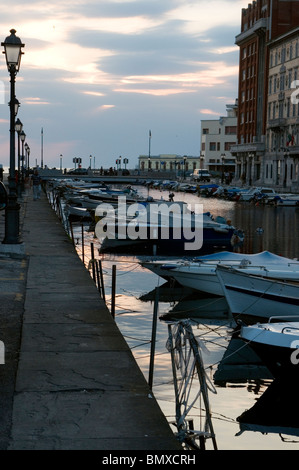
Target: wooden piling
113,290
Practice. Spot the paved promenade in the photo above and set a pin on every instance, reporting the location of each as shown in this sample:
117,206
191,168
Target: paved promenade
69,380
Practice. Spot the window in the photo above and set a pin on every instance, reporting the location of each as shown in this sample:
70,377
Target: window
270,85
218,146
283,55
205,131
228,145
212,146
290,78
230,130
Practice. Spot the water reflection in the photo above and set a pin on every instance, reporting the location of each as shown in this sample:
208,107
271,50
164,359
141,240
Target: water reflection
276,411
280,224
240,377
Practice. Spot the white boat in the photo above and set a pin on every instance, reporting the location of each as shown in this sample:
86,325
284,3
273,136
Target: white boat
256,298
256,192
200,274
277,344
288,200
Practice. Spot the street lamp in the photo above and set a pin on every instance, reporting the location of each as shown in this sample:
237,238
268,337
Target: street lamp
286,154
184,158
251,156
13,53
23,137
201,160
222,167
60,162
27,149
18,128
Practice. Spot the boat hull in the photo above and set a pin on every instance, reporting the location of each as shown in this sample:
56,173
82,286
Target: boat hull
170,246
254,298
276,344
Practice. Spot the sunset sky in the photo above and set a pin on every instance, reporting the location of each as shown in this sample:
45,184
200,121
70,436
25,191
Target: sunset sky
97,75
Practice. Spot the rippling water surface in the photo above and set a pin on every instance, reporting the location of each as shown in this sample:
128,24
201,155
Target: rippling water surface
242,382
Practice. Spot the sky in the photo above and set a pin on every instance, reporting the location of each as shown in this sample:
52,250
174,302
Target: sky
97,76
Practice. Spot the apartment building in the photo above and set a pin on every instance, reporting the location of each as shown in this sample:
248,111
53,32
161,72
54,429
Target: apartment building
267,27
282,136
169,162
217,138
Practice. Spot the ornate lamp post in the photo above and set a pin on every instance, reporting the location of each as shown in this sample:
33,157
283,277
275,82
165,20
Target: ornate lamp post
23,137
251,157
184,160
222,167
27,150
13,53
18,128
285,172
201,161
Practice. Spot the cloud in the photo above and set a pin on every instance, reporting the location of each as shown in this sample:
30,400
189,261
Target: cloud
158,63
209,111
34,101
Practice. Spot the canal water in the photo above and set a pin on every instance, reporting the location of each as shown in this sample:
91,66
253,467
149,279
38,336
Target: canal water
237,379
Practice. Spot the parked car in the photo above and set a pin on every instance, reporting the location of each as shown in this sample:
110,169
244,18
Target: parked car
201,175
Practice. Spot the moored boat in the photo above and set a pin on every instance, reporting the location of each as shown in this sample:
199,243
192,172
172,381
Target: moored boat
277,344
200,273
255,298
181,232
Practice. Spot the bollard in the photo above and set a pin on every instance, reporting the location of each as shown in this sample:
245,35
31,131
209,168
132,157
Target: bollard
102,280
113,291
82,236
153,341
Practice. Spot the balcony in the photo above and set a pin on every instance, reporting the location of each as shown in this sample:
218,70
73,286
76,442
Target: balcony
255,147
277,124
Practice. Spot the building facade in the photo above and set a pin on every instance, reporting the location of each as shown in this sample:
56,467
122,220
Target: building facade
217,138
282,135
169,162
267,27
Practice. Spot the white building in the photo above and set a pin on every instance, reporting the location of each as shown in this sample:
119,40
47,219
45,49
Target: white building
217,137
169,162
281,161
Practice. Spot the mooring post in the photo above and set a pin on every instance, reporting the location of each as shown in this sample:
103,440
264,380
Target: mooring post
72,232
113,289
82,239
153,341
92,261
102,280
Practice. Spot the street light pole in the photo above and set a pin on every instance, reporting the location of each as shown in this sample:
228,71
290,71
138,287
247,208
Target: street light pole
23,137
18,128
222,167
12,49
